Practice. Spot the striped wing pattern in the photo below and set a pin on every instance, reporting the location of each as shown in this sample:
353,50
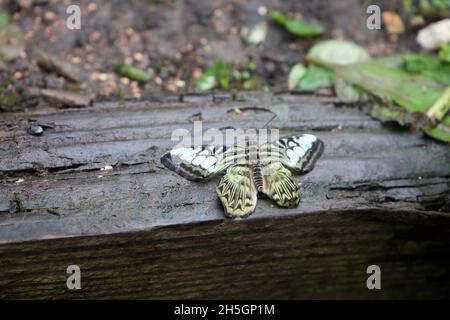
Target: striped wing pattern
200,163
280,186
300,153
237,192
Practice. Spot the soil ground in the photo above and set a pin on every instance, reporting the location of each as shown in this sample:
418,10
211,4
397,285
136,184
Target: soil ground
177,40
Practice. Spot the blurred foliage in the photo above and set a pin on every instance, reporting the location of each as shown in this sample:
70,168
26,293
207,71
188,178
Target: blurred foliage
133,73
221,76
335,52
297,27
322,58
218,75
444,52
5,19
422,10
316,77
410,89
407,87
254,35
295,74
11,38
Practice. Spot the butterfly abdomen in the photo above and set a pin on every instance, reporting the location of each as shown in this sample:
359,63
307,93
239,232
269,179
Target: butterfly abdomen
257,177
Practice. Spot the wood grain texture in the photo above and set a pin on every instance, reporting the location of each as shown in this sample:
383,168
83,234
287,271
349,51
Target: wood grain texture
378,195
323,255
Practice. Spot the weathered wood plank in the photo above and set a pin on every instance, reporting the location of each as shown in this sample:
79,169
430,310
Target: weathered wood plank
377,196
61,169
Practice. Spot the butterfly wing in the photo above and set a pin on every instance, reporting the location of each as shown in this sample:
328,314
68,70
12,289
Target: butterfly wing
199,163
237,192
279,185
300,153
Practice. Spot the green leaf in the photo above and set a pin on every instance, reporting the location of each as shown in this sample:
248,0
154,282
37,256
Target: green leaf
440,108
336,53
297,27
218,74
297,72
206,83
245,75
316,77
10,50
5,19
440,132
413,92
279,17
224,83
444,53
303,29
392,113
415,82
425,65
346,92
133,73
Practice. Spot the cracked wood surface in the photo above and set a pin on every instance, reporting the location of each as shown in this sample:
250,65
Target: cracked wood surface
393,184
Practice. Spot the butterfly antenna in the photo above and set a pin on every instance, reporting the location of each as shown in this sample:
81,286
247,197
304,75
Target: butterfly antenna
268,122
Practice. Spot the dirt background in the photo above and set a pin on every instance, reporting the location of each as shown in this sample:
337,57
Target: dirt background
177,40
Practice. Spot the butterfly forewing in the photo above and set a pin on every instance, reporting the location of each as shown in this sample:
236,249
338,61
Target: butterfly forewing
199,163
300,153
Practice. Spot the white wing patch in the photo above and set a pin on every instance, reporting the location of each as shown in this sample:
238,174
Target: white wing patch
208,164
195,163
197,157
300,152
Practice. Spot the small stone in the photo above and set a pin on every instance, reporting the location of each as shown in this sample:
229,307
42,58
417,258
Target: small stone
138,56
434,35
35,130
92,7
262,10
49,16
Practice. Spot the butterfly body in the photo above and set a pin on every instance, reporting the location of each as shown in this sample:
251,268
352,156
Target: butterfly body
250,169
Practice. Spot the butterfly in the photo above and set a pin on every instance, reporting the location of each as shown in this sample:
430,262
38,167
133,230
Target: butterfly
250,169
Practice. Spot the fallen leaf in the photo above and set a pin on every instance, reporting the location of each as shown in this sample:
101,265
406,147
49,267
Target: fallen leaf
296,73
336,53
255,35
133,73
297,27
316,77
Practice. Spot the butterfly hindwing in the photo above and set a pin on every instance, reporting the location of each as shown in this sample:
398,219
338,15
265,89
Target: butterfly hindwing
237,192
279,185
299,153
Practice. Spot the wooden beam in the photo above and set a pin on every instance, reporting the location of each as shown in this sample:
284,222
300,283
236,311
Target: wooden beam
378,195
